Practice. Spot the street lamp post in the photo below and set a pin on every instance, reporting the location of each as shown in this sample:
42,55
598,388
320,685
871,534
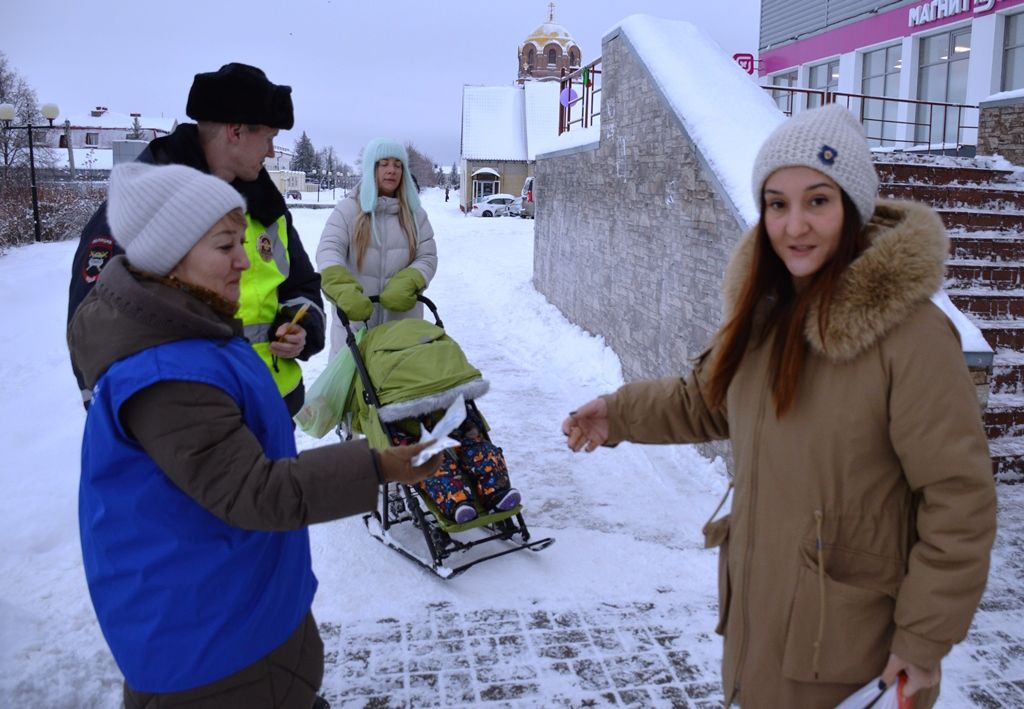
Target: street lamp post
315,177
49,111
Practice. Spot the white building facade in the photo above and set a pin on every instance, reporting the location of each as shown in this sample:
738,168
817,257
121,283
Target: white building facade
915,70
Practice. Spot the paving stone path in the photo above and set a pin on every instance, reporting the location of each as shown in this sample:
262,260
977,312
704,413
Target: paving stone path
607,655
644,654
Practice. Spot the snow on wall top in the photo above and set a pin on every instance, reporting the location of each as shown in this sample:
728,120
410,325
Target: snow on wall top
492,123
727,115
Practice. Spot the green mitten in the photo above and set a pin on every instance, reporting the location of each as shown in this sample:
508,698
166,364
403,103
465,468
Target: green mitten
346,292
400,292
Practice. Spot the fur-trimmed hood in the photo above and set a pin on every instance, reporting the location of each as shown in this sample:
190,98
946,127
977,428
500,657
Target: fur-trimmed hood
903,265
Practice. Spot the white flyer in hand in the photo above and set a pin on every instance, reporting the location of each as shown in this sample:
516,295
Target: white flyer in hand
452,419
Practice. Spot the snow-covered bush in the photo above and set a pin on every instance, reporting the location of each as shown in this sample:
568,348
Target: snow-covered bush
64,208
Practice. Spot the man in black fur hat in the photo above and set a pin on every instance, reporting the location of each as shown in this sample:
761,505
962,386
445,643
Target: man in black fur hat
238,112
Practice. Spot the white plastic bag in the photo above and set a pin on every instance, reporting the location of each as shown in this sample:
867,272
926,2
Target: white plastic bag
325,400
453,417
871,696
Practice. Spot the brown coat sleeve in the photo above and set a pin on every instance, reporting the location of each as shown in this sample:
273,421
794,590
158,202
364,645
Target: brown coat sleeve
669,410
196,434
936,430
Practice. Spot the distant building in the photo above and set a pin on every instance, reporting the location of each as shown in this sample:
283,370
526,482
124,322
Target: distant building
504,127
288,180
103,138
910,56
101,127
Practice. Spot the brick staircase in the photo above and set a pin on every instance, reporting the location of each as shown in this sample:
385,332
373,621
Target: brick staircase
981,201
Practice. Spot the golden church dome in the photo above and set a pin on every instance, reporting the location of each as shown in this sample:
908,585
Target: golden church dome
549,52
550,32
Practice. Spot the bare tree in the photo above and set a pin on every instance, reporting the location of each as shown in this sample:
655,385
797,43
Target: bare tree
421,167
15,90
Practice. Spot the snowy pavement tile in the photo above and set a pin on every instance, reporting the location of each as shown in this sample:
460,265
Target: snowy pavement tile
628,655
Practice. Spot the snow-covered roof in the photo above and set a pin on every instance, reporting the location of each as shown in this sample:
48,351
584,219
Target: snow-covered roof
509,122
541,116
493,123
693,73
124,121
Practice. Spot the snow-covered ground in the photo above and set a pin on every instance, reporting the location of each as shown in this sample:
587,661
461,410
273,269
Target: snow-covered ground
627,521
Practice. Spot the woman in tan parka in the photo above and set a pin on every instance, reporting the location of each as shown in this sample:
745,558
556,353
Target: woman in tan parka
864,510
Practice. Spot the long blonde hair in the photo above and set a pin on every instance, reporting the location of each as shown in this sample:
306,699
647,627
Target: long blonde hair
364,227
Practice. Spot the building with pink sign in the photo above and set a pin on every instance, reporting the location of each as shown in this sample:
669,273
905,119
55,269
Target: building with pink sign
915,70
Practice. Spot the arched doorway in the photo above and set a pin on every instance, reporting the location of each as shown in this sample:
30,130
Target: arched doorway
485,182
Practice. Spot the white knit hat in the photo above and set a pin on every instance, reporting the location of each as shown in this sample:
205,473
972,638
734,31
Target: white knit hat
829,140
157,213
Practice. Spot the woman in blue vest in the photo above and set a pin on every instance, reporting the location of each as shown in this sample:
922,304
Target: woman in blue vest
194,502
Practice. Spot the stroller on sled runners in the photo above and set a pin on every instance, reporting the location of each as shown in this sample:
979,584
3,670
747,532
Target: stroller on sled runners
408,373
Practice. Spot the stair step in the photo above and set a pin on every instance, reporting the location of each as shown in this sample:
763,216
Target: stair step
937,175
1007,459
971,274
997,246
970,219
989,304
1004,417
953,196
1002,334
1007,373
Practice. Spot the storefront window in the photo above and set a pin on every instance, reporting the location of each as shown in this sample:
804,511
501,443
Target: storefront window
784,99
942,78
824,78
881,80
1013,56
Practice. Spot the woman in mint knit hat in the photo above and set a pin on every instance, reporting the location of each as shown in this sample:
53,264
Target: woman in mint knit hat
377,241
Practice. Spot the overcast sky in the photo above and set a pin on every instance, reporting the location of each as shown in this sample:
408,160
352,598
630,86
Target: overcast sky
358,70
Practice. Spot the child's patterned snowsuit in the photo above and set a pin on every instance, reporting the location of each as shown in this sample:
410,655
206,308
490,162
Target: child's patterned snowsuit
477,461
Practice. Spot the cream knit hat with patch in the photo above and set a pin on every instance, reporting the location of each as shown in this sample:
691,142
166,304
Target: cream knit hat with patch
829,140
157,213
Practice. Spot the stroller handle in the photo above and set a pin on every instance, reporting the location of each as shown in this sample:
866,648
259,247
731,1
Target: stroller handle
376,299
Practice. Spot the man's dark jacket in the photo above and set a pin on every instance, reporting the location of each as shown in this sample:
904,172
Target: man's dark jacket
264,203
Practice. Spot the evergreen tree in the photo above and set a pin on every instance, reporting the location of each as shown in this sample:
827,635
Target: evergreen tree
453,176
305,158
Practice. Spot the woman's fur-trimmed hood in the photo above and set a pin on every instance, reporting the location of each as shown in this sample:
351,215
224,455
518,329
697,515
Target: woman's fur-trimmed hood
903,265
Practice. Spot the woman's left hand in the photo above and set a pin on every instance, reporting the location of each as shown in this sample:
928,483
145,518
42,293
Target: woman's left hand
291,340
918,678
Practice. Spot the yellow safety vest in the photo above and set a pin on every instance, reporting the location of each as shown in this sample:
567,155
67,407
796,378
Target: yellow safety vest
267,249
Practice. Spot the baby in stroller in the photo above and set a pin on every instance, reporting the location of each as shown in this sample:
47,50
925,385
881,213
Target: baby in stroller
470,475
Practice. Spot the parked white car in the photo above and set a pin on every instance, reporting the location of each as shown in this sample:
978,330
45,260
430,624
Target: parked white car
495,205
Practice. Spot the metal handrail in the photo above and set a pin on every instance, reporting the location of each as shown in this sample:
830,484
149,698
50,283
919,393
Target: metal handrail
589,90
916,129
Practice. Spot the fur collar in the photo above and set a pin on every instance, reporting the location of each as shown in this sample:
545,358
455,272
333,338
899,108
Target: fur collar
903,265
127,312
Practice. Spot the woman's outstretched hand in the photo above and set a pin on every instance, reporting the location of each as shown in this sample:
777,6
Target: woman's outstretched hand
396,464
918,678
587,426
